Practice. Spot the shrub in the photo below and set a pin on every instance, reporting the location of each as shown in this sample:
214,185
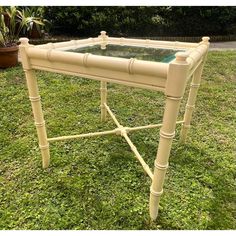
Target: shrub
142,21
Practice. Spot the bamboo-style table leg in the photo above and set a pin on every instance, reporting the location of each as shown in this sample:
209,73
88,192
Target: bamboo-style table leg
103,100
193,95
167,134
191,103
38,116
176,83
103,88
36,103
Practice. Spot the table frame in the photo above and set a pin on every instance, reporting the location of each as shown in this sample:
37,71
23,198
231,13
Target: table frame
170,78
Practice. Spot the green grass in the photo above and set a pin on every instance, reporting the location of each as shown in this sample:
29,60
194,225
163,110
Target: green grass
96,183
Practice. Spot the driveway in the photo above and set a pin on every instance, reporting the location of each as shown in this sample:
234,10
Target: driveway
231,45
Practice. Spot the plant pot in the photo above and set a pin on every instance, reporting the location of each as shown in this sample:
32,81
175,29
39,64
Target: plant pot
34,33
8,56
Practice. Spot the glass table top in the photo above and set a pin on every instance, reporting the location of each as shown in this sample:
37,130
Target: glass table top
141,53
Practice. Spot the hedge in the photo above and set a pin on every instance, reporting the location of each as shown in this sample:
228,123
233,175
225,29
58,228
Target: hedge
141,21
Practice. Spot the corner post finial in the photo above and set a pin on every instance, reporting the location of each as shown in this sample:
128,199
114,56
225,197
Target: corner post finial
104,37
181,57
177,75
103,33
205,39
24,45
24,41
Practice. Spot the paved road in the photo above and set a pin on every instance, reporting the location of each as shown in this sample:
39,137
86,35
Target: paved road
223,45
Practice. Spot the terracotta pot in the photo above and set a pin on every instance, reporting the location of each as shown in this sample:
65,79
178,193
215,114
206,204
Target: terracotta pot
8,56
34,33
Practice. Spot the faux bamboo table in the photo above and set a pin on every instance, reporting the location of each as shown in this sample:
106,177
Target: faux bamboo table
168,75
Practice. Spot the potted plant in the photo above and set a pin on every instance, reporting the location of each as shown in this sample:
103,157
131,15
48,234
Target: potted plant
12,21
36,22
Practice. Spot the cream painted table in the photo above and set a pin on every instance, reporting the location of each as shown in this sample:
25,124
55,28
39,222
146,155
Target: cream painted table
168,74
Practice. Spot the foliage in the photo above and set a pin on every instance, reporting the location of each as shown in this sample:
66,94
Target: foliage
142,21
12,22
97,183
116,20
195,21
130,21
35,17
9,31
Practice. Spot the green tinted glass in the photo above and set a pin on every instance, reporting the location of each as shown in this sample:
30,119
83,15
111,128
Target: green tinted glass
141,53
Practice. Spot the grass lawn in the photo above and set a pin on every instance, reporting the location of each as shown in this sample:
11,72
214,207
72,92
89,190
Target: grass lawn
96,183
